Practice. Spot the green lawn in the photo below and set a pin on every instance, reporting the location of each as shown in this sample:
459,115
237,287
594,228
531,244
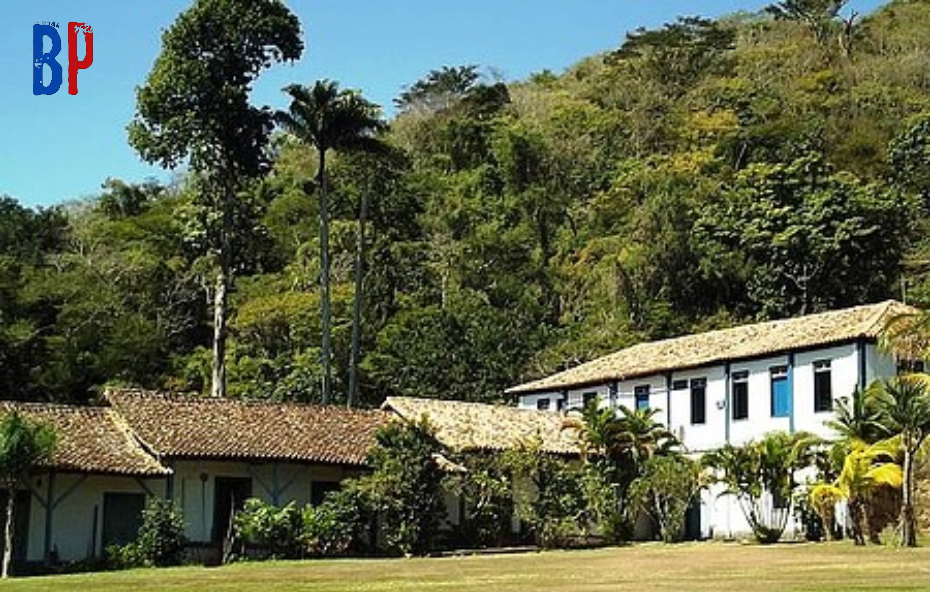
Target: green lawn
694,567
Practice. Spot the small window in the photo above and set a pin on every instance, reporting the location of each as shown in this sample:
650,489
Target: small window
542,404
560,404
780,391
823,387
740,395
588,398
699,401
642,396
680,385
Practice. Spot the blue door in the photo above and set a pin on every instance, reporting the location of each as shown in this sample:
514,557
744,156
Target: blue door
781,393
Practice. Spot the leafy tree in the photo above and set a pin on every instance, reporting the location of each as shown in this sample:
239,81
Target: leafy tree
328,118
905,406
554,507
679,52
817,15
194,106
439,88
909,154
404,486
800,230
24,443
665,490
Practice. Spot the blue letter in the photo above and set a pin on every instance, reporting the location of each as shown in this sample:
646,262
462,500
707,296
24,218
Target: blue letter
39,32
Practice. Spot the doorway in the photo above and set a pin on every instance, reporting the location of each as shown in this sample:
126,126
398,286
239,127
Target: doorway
229,495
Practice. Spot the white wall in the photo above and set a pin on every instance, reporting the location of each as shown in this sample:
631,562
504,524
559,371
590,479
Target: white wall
711,434
844,373
195,492
74,534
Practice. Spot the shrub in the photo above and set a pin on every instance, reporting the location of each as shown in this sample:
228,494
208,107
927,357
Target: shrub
554,507
161,539
665,489
487,493
268,529
336,526
405,486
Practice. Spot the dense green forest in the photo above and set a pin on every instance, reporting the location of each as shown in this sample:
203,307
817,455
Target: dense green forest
699,175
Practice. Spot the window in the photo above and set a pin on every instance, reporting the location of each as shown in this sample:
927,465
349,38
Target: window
560,404
542,404
319,490
909,366
680,385
642,396
588,398
741,395
781,391
823,387
699,401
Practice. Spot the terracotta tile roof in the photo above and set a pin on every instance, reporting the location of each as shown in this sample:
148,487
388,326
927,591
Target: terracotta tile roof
476,426
204,427
747,341
90,439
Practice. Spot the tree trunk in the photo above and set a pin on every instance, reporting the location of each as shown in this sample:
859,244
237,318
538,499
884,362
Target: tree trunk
908,526
8,529
324,279
220,302
357,303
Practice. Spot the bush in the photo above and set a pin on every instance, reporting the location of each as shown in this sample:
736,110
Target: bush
554,508
487,493
405,487
272,531
665,489
336,526
161,539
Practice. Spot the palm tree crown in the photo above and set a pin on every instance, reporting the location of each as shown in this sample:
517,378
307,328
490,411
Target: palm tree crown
326,118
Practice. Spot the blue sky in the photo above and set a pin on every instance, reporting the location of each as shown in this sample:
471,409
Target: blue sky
62,147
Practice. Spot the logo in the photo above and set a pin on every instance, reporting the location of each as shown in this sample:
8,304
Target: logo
41,59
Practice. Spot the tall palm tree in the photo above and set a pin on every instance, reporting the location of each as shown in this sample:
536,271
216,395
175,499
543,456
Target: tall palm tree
904,402
328,118
23,444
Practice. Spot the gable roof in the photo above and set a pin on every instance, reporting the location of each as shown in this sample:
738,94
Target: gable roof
477,426
176,426
746,341
90,440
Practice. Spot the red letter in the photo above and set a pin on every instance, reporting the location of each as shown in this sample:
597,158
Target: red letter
73,64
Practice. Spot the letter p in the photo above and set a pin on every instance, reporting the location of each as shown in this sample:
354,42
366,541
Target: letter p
73,63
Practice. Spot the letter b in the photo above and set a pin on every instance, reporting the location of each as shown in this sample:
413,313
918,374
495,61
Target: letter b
39,59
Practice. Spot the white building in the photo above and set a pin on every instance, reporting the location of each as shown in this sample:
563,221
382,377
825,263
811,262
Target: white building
733,385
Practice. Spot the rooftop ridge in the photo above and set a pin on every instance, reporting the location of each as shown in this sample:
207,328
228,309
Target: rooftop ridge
718,345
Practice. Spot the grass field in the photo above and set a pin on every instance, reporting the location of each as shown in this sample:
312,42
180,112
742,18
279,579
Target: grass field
694,567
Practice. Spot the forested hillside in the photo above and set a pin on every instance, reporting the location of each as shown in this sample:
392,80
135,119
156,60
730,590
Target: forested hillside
701,175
